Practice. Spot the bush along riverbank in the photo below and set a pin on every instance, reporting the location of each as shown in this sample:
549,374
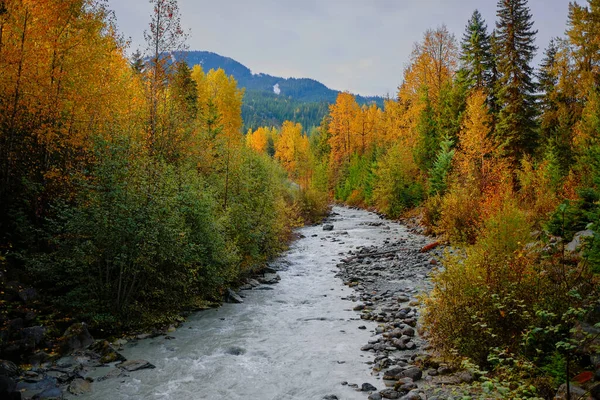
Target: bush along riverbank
422,295
78,359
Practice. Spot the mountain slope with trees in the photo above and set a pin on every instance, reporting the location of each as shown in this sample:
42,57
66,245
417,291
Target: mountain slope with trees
271,100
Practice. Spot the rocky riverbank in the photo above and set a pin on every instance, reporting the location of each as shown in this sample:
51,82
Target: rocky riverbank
387,281
85,360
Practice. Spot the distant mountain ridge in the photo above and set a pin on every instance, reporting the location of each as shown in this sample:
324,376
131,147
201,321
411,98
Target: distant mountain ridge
299,89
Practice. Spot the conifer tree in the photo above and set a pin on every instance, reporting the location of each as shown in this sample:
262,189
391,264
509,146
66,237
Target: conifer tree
475,53
515,130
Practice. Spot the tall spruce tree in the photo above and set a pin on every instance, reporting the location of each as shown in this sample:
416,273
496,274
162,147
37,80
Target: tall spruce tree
547,77
475,53
515,129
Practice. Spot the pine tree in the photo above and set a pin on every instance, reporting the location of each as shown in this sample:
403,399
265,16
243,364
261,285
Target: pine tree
515,130
475,54
547,81
137,62
438,180
428,136
547,77
184,90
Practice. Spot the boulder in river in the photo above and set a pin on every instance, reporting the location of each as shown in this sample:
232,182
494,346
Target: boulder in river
327,227
269,279
135,365
106,352
389,394
50,394
80,386
232,297
367,387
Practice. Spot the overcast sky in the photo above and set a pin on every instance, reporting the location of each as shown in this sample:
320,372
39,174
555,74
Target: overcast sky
356,45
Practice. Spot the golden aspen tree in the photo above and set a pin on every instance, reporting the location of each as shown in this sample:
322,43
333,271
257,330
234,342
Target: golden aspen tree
475,144
258,140
434,61
342,137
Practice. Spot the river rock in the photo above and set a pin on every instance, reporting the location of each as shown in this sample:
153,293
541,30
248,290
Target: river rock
232,297
374,396
413,373
235,351
575,391
135,365
38,358
269,279
34,335
8,368
50,394
37,385
389,394
330,397
79,386
412,395
113,373
106,352
408,331
76,337
327,227
367,387
577,241
465,377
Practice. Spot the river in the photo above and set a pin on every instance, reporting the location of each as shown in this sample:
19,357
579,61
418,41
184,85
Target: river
298,339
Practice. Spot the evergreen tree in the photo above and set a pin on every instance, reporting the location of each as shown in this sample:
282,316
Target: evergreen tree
428,137
438,180
184,90
137,62
515,130
475,53
547,77
547,81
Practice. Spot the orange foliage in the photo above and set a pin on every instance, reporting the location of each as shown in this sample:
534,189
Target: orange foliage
259,139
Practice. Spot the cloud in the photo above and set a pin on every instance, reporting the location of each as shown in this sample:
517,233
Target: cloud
328,40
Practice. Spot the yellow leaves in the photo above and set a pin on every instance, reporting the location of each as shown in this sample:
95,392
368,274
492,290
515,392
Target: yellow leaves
292,151
474,135
220,101
433,63
259,139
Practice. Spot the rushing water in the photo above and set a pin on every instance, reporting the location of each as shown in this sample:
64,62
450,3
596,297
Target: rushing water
299,340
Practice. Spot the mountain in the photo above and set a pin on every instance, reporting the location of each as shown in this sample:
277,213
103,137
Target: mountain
270,100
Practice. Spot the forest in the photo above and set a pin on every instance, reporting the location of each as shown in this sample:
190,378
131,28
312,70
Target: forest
129,190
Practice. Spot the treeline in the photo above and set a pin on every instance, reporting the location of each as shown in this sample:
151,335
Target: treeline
502,161
127,190
268,109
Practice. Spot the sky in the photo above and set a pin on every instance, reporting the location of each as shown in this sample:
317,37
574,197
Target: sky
361,46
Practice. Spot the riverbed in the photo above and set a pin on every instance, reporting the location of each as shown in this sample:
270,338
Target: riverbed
297,339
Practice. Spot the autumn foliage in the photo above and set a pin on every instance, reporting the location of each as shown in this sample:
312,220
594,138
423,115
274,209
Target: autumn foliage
127,188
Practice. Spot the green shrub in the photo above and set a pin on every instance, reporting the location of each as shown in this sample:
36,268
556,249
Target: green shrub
138,241
356,186
397,186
